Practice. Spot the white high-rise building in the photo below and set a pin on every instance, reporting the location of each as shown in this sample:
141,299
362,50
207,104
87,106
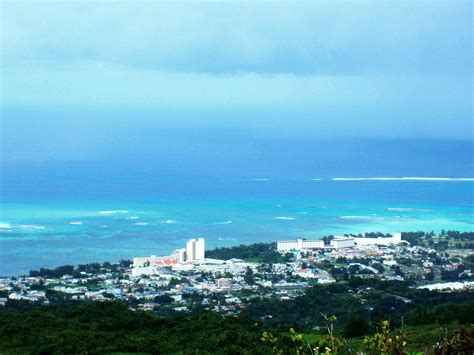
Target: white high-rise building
190,250
200,253
195,250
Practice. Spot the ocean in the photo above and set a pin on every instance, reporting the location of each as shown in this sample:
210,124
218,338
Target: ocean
47,221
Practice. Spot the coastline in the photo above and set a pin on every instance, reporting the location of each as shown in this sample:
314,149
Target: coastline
212,248
52,231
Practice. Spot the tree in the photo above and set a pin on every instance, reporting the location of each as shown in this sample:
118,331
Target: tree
355,326
249,276
429,276
327,239
379,267
164,299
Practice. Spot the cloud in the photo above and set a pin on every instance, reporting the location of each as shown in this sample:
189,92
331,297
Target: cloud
304,69
298,38
102,84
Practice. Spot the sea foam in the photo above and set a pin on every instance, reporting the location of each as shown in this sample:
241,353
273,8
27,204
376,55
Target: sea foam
285,218
401,179
226,238
113,212
356,217
23,227
169,221
30,227
408,209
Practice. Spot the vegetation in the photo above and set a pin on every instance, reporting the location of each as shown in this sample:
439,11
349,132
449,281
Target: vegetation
80,271
428,319
360,304
106,327
441,242
259,252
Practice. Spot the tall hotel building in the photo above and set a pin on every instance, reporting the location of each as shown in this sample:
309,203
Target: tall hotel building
195,250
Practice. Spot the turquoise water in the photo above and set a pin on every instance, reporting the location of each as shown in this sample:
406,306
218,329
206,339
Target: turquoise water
46,227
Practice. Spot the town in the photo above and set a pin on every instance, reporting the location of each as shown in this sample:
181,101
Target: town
194,279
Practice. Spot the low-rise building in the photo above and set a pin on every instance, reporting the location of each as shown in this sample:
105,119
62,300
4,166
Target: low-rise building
223,282
193,253
389,262
342,242
395,239
299,244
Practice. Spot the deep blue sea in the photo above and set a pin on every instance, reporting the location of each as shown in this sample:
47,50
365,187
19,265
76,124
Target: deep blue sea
52,220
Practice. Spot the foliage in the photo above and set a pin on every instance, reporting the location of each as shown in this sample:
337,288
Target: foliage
355,326
270,339
258,252
325,344
372,300
106,327
327,239
382,342
53,273
427,239
164,299
459,343
91,268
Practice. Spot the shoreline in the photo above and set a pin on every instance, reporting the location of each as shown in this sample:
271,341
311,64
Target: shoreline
226,246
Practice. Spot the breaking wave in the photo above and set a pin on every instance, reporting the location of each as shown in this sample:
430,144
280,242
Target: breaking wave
169,221
5,226
408,209
410,178
23,227
356,217
113,212
226,238
29,227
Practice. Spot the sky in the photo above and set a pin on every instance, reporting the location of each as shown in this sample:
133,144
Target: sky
103,80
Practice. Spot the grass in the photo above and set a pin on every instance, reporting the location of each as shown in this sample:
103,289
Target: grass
421,339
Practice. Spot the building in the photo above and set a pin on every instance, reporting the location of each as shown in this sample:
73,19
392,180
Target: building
299,244
223,282
389,262
342,242
395,239
147,261
180,255
195,250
